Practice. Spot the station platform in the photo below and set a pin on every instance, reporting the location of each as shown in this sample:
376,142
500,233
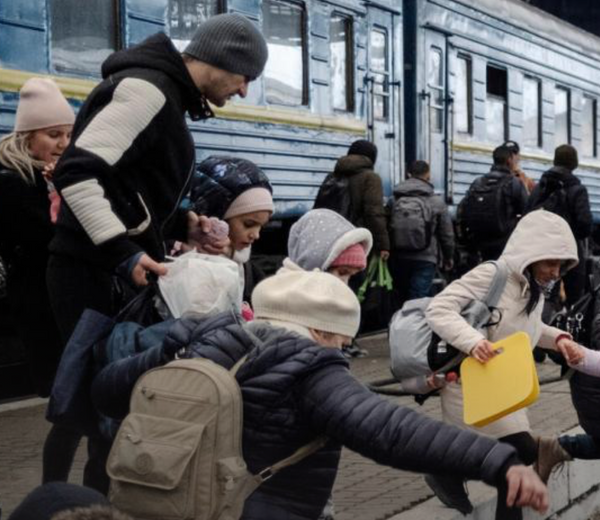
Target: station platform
364,490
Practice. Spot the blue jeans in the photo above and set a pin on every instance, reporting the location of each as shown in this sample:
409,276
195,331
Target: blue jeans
581,446
412,278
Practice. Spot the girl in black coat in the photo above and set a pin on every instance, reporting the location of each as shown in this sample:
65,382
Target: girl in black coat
42,132
296,386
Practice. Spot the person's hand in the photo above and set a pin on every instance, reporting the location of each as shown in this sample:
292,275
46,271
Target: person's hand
384,255
48,171
525,489
570,350
448,265
199,226
144,266
483,351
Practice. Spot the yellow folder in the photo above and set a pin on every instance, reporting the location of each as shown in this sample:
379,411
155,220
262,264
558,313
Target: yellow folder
501,386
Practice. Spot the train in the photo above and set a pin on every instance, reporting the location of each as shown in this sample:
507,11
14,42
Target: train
444,81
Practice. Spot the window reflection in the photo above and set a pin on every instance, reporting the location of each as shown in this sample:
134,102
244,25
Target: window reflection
379,67
532,114
82,38
589,127
184,16
562,132
435,82
340,45
285,78
496,104
462,95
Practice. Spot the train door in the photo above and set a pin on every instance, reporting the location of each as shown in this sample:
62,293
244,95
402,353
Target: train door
434,112
384,93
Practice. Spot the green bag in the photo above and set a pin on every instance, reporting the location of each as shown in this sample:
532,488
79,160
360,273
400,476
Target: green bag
376,296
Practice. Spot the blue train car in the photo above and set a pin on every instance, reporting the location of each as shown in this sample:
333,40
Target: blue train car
479,73
333,76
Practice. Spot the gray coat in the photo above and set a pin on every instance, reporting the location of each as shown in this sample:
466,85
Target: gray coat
442,232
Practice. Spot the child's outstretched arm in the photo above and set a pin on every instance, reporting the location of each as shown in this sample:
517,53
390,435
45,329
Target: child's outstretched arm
589,362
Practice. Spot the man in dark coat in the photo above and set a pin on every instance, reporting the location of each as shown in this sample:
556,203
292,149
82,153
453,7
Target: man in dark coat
366,193
560,191
130,163
296,386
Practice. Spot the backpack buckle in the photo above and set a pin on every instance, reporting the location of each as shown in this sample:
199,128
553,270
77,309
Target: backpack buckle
266,474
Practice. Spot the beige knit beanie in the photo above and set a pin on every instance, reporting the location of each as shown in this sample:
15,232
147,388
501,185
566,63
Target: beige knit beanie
312,299
42,105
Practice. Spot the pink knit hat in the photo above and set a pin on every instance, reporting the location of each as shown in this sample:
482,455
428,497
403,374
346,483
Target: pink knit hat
353,256
42,105
254,199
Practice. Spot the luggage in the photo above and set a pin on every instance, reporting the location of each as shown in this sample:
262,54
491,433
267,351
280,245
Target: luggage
415,350
503,385
411,223
334,194
485,212
376,296
178,454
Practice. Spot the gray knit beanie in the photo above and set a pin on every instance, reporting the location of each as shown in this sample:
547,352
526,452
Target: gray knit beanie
230,42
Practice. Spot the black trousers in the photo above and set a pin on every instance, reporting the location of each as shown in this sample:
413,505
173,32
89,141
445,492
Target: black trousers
74,286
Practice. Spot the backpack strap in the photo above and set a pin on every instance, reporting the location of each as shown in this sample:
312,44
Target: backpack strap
496,288
300,454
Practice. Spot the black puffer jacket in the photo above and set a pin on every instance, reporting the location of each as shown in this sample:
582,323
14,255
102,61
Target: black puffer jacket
294,391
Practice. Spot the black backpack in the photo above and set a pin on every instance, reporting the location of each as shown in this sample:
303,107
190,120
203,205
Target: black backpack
486,211
553,197
334,194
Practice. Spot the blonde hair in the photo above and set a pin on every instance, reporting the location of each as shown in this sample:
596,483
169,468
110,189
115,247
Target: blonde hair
15,154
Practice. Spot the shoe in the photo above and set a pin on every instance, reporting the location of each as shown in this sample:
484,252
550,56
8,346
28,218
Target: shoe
451,492
550,453
354,351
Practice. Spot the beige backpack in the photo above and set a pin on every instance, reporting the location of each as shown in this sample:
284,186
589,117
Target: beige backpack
178,454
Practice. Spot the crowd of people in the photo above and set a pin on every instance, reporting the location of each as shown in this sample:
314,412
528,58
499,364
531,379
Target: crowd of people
112,207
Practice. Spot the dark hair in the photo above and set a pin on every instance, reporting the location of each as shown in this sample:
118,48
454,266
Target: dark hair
534,293
364,148
418,169
501,156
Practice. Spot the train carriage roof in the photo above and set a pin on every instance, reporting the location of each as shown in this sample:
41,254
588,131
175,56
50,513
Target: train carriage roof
540,23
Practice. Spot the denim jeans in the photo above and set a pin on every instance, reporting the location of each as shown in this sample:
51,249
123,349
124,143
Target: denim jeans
581,446
412,278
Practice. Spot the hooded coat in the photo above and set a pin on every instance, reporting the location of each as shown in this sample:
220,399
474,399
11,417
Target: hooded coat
442,232
294,391
540,235
366,194
320,236
130,159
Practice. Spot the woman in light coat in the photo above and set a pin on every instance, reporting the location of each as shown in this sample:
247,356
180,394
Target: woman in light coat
540,250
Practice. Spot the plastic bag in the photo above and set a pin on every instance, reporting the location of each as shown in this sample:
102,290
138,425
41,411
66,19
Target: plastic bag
201,283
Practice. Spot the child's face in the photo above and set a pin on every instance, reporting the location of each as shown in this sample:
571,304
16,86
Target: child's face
245,229
344,272
329,339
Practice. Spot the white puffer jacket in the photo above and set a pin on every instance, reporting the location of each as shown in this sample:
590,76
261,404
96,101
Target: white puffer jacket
540,235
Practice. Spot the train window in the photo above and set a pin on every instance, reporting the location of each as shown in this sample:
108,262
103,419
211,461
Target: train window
379,68
285,72
496,104
342,65
184,16
532,112
435,82
463,95
562,116
81,39
589,127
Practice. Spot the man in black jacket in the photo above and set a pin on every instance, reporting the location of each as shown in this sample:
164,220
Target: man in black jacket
561,192
492,207
130,162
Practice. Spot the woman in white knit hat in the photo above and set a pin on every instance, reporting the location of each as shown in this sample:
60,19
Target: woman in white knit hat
297,387
42,131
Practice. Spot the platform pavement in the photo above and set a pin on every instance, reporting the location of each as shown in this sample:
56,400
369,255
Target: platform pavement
363,490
